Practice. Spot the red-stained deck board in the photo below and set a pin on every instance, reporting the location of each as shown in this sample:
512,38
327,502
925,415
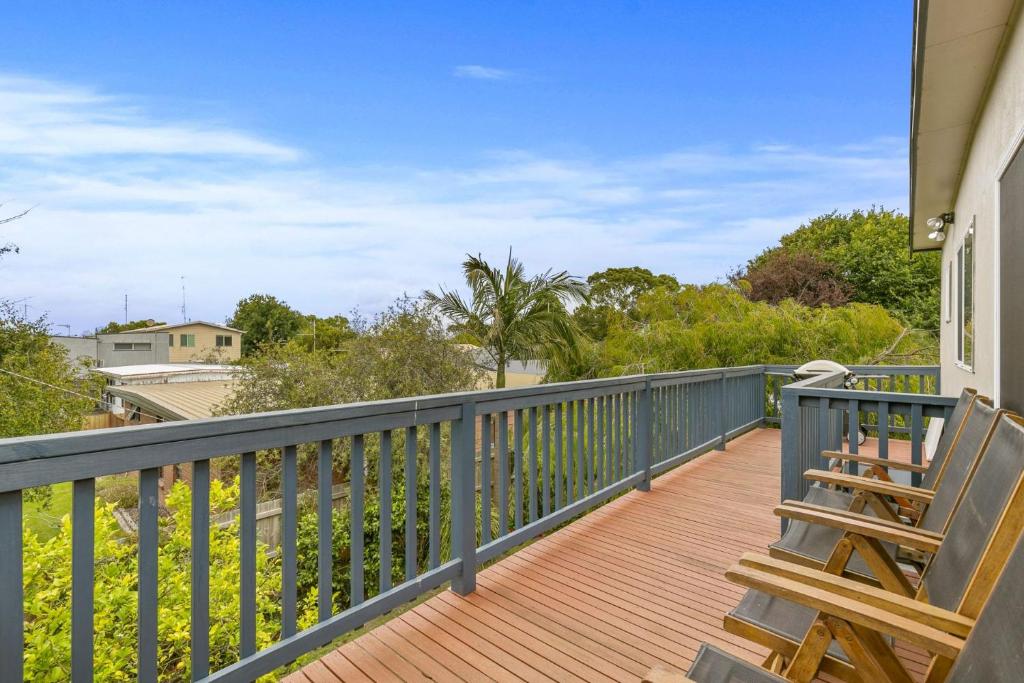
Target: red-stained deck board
636,583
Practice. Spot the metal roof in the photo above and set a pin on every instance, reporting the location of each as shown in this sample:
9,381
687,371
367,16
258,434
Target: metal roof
171,326
155,369
178,401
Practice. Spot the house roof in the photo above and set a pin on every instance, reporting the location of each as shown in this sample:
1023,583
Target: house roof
164,369
177,401
957,48
171,326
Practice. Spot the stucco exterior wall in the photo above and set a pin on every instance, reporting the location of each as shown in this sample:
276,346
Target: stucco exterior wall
999,128
206,349
109,357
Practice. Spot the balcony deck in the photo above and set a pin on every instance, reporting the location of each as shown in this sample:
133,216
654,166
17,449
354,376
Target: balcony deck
635,583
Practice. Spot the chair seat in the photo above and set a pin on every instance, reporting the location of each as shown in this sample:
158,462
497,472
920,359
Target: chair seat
817,542
781,617
714,666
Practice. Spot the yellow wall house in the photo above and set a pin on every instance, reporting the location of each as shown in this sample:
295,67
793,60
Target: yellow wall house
200,342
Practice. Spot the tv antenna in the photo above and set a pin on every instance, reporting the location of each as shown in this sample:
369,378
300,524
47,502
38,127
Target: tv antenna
184,310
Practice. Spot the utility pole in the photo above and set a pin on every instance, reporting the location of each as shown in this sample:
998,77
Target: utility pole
126,308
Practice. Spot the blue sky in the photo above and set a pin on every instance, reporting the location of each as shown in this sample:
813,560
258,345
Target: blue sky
340,154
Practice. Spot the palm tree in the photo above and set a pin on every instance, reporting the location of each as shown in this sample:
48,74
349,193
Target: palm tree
512,316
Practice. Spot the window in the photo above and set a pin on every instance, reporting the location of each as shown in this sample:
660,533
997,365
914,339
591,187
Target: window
965,300
187,341
170,339
133,346
950,292
223,340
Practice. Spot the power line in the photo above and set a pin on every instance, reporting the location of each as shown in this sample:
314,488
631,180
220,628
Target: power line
73,393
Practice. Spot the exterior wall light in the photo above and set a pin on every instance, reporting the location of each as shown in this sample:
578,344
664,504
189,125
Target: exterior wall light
938,225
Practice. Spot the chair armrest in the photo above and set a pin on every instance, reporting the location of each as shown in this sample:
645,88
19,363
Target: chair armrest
910,608
851,610
872,527
660,674
872,460
883,488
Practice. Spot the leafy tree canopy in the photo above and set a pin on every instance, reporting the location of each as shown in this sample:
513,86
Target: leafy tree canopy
114,327
265,320
869,252
323,334
513,316
40,390
801,276
614,293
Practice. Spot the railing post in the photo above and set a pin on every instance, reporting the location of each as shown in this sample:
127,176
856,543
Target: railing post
645,417
791,474
463,503
762,394
723,423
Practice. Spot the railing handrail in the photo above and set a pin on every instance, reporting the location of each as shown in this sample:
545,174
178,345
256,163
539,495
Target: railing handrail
26,448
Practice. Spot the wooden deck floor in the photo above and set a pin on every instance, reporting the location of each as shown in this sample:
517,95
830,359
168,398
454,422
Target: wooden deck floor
635,583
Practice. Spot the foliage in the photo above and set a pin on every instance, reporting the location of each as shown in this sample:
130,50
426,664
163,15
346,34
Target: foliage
614,292
40,391
714,326
515,317
869,251
114,327
797,275
47,582
323,334
265,321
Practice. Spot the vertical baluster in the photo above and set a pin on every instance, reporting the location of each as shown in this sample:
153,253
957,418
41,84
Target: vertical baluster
853,431
570,435
485,479
503,481
289,536
559,455
545,432
517,463
324,529
356,481
12,601
149,492
916,425
599,464
883,429
200,569
435,496
609,477
580,427
247,555
634,433
386,544
82,578
532,478
411,491
617,437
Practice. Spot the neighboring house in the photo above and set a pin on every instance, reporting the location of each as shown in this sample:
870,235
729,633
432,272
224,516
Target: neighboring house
518,373
164,392
967,171
194,342
198,341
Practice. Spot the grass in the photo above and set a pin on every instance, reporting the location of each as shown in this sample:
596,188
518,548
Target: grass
46,522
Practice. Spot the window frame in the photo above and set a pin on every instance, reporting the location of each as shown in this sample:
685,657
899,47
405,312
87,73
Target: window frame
965,314
187,341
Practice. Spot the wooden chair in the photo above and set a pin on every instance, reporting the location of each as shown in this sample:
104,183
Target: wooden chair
823,535
964,649
815,622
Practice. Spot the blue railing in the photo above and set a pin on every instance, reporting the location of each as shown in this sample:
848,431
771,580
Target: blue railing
509,465
820,413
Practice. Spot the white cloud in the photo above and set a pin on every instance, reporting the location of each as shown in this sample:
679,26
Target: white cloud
237,214
483,73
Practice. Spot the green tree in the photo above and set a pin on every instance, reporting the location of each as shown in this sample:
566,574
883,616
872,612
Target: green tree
614,292
265,320
40,390
323,334
114,327
512,316
869,251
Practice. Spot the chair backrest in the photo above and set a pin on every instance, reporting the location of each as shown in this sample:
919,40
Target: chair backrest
950,431
994,650
960,465
991,508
